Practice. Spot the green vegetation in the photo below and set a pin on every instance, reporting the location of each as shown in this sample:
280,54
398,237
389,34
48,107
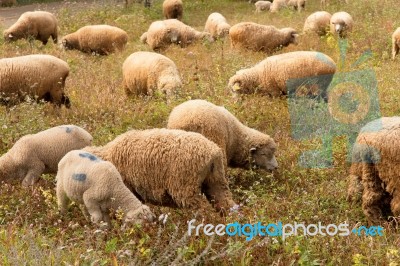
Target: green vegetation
33,233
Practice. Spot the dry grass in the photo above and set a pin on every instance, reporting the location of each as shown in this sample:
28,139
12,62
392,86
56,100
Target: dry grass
32,232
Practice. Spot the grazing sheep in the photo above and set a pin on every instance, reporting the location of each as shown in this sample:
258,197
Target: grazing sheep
172,9
270,76
39,25
374,170
318,22
242,146
217,26
88,180
33,155
163,33
146,72
297,4
257,37
341,24
37,76
277,5
170,167
262,6
99,39
8,2
395,42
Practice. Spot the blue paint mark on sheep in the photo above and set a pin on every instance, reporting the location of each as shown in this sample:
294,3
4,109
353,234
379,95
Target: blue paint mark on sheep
79,177
67,129
89,156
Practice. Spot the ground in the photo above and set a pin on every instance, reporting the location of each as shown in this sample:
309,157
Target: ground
32,232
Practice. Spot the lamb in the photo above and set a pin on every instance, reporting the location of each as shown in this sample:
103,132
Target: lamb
341,24
97,39
161,34
271,76
8,2
146,72
33,155
172,9
374,170
262,6
37,76
39,25
241,146
395,42
88,180
318,22
257,37
170,167
217,26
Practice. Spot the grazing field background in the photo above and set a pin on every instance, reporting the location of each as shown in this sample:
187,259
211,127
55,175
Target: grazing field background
33,233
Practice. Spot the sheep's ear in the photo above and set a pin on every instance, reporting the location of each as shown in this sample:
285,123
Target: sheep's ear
10,35
253,150
295,35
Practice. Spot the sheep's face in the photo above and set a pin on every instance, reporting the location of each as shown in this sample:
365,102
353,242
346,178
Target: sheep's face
140,215
340,27
9,36
264,157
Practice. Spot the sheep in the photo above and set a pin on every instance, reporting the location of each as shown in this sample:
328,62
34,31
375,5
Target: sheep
33,155
395,42
257,37
374,170
97,39
88,180
279,4
146,72
39,25
318,22
262,6
341,24
37,76
241,146
271,76
161,34
170,167
8,2
172,9
217,25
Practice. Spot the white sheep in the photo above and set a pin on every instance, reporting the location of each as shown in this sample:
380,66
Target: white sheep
257,37
341,24
163,33
33,155
318,22
97,184
170,167
147,72
39,25
242,146
172,9
270,76
98,39
262,6
395,42
217,25
279,4
41,77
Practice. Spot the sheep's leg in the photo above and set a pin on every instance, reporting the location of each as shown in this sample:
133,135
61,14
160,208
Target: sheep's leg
54,36
373,194
395,49
395,203
355,189
93,208
33,175
62,199
85,212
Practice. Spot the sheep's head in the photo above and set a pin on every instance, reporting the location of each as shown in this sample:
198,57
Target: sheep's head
140,215
264,156
340,27
243,82
10,36
69,42
206,36
291,34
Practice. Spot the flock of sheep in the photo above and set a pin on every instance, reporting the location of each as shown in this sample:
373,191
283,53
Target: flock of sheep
177,165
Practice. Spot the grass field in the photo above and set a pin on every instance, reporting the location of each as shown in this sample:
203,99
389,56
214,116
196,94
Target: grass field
33,233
